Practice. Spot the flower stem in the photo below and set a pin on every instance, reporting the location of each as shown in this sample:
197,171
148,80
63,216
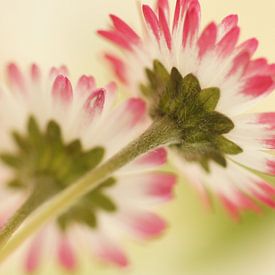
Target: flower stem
37,197
162,131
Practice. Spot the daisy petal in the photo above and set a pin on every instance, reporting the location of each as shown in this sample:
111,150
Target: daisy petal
191,24
62,70
240,64
145,225
227,24
66,255
118,66
33,258
147,189
151,20
62,89
85,85
177,14
249,46
95,103
257,86
261,161
165,28
227,44
163,4
15,78
116,38
125,29
155,157
261,131
111,253
35,73
207,39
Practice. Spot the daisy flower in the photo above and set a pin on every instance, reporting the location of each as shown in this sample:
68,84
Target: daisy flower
206,81
51,134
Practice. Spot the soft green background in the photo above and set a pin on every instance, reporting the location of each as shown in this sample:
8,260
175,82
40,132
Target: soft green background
198,241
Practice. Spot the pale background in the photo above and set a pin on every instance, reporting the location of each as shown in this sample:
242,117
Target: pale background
54,32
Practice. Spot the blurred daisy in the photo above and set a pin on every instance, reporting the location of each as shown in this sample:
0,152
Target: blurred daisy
51,134
205,81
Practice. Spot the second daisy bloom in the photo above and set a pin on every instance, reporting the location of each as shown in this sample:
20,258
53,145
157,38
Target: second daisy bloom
223,81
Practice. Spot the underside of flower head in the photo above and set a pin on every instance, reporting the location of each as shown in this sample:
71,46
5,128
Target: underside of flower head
204,80
193,110
56,135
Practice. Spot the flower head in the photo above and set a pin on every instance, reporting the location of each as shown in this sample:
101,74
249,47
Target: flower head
204,81
53,133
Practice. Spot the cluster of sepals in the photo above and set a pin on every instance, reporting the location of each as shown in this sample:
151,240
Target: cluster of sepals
42,158
193,110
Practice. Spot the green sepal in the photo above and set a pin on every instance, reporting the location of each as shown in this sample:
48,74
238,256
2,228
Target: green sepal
152,78
74,148
169,99
219,123
93,157
209,98
15,184
158,78
162,75
219,159
205,165
228,147
98,198
11,160
54,136
104,202
34,135
146,91
85,210
190,86
21,142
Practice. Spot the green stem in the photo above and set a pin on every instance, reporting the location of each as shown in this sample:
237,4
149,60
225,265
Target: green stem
37,197
161,132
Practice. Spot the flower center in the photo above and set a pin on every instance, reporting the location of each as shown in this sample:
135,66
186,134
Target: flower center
43,161
193,110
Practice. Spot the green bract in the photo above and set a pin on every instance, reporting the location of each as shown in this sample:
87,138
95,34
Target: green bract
42,161
193,110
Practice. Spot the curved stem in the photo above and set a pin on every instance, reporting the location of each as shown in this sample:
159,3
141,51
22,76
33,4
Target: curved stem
17,219
37,197
161,132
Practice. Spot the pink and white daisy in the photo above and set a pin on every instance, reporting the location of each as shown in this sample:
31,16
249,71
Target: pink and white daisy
220,64
51,134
